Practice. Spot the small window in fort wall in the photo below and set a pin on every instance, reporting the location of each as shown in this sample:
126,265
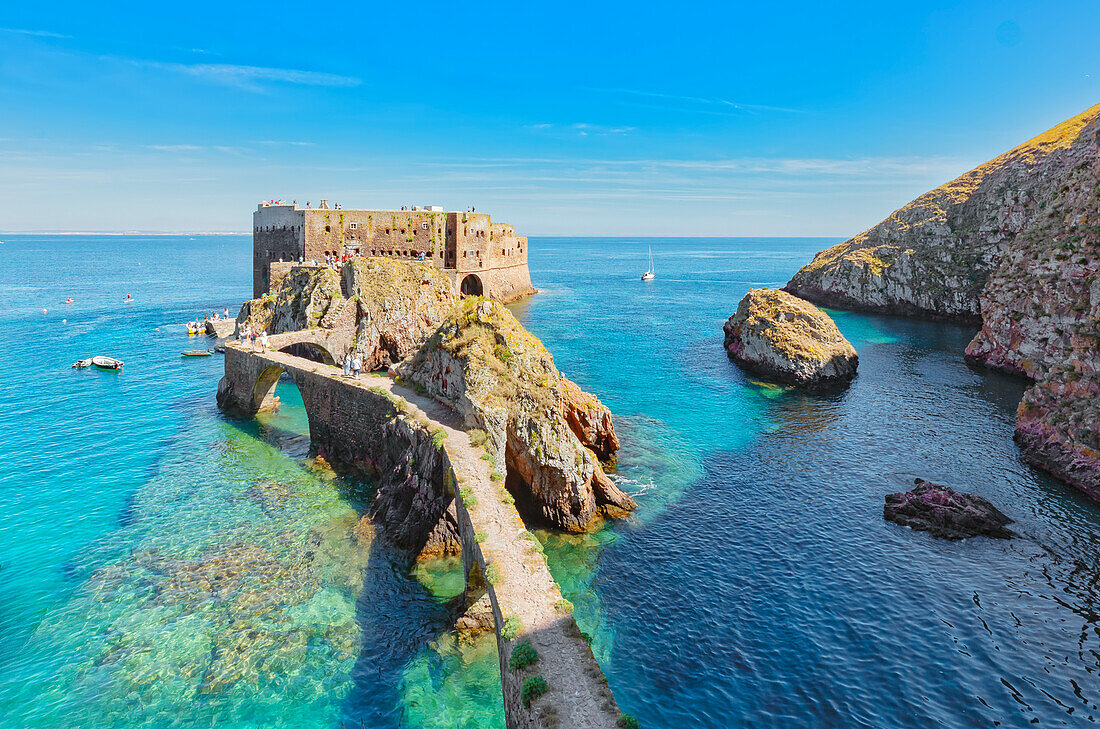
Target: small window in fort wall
423,226
354,226
328,229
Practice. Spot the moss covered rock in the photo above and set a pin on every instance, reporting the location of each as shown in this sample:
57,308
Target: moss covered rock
789,340
546,431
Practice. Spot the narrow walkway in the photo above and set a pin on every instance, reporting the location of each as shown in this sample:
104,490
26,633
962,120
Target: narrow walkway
521,585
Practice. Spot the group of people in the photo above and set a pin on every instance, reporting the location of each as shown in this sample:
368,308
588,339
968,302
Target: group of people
353,365
212,316
246,334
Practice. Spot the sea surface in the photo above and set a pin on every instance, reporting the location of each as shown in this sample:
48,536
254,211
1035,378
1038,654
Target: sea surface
165,565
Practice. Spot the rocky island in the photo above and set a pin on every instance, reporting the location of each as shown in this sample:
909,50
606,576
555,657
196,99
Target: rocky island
1014,245
787,339
471,435
471,355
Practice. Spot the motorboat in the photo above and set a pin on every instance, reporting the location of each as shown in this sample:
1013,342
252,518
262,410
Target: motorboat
196,353
103,363
649,275
107,363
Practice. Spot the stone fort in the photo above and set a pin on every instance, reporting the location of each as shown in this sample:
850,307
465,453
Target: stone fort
480,257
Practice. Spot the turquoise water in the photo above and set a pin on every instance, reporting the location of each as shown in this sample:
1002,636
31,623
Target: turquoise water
164,565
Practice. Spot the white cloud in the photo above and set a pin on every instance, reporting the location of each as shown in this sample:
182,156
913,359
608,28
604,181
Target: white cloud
698,104
583,129
173,147
247,77
35,33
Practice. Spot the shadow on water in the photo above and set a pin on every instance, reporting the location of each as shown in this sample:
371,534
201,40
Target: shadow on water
399,618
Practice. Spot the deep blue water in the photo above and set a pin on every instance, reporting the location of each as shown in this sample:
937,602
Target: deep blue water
164,565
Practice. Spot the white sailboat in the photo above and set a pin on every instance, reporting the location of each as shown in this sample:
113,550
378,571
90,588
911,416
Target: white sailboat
649,275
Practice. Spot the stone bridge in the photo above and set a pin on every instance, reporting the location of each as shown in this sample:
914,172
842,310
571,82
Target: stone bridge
371,419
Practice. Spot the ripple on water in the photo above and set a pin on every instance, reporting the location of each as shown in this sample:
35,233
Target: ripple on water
165,565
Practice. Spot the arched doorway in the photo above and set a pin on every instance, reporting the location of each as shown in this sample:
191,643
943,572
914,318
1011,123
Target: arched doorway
471,286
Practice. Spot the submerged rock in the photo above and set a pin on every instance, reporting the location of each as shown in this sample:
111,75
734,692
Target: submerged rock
789,340
933,508
549,434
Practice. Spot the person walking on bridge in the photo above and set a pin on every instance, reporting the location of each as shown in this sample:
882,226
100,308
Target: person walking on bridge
357,365
347,365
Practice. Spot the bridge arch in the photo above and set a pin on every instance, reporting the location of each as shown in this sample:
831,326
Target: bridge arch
310,350
471,286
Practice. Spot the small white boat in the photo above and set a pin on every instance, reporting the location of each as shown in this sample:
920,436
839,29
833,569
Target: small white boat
103,363
107,363
649,275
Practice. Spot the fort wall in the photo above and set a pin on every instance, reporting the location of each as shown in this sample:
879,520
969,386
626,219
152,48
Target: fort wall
459,243
277,234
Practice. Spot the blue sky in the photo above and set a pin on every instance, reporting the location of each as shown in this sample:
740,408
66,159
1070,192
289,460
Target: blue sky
686,118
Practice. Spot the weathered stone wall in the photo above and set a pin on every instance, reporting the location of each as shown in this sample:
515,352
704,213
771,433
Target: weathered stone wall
277,234
457,242
366,429
503,284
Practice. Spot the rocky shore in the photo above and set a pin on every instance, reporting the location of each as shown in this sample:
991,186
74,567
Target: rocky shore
789,340
1015,245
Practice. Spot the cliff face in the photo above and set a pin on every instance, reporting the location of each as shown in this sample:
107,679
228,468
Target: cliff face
306,297
934,256
548,434
790,340
1014,244
380,308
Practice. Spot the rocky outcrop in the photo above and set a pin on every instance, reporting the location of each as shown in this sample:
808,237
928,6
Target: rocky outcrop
934,256
936,509
590,421
540,429
789,340
307,297
414,501
380,308
1058,427
399,303
1014,244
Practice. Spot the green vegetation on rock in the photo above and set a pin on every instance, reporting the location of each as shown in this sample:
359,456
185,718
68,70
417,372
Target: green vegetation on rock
511,627
523,655
533,687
